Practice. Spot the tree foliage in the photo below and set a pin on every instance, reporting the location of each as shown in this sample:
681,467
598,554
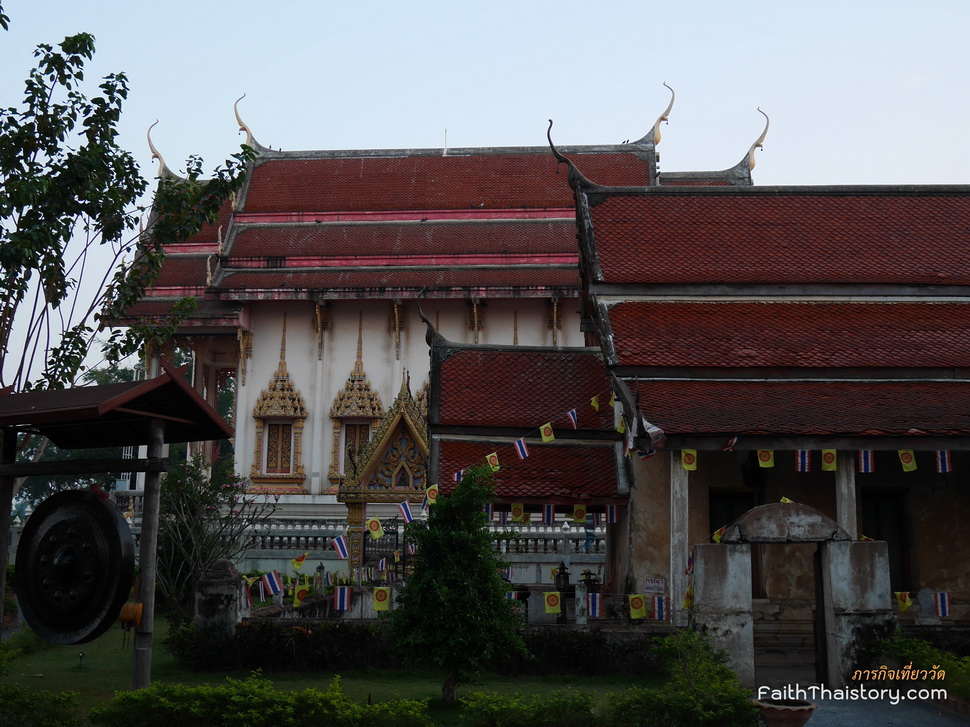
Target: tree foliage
453,612
72,259
203,518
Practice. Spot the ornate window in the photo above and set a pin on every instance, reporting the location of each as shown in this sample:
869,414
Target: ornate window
356,410
279,414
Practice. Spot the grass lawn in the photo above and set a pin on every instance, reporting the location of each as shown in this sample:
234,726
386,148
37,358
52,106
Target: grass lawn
107,666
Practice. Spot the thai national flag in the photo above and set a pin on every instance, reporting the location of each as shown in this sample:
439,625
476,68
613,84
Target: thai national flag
405,508
521,449
612,514
803,460
867,461
594,600
942,602
459,475
646,453
382,565
273,583
503,517
574,418
943,461
597,519
341,598
549,514
340,545
412,548
660,607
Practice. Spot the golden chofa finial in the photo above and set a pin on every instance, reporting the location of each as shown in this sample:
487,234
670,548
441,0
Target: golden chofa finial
250,139
163,170
665,116
759,142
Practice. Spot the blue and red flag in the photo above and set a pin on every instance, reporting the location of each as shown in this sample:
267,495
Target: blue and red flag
521,448
341,598
340,545
405,508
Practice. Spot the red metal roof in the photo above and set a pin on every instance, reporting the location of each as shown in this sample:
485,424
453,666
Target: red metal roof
523,388
404,239
563,473
812,334
764,235
811,408
419,181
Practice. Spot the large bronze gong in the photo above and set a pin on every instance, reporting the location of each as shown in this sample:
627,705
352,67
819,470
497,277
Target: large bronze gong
75,567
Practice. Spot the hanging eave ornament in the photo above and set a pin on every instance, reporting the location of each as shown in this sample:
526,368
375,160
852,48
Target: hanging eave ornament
75,567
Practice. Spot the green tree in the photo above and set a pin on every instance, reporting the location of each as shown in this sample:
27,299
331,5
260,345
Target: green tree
72,258
453,613
204,517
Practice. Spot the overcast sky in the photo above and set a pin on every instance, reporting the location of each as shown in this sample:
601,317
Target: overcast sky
858,91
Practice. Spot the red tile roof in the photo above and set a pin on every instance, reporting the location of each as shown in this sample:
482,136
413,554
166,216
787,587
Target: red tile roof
468,238
812,334
842,408
765,235
182,270
564,473
493,387
423,181
330,281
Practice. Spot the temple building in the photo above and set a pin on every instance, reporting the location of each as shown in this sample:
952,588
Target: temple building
308,290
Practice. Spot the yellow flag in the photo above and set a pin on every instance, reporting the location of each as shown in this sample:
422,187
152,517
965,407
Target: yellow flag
785,500
432,494
579,513
828,460
299,594
382,598
492,461
621,426
718,534
766,458
903,599
612,400
298,561
595,403
553,602
519,514
546,431
907,459
688,597
688,458
638,606
375,528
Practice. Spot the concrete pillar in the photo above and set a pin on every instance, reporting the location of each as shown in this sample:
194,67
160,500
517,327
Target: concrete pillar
722,602
679,538
845,494
857,601
582,610
217,599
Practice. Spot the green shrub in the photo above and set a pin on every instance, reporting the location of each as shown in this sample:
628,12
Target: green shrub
565,708
703,691
24,708
923,655
253,702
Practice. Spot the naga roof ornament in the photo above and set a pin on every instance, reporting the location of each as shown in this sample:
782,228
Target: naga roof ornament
664,117
163,169
250,139
576,177
759,142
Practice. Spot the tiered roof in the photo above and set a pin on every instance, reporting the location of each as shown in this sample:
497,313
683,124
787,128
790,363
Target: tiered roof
836,314
486,397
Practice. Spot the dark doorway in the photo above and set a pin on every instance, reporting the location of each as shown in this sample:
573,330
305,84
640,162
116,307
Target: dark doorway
884,518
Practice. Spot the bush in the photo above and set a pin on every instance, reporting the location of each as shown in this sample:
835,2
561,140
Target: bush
39,709
923,655
280,645
253,702
580,653
565,708
703,691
